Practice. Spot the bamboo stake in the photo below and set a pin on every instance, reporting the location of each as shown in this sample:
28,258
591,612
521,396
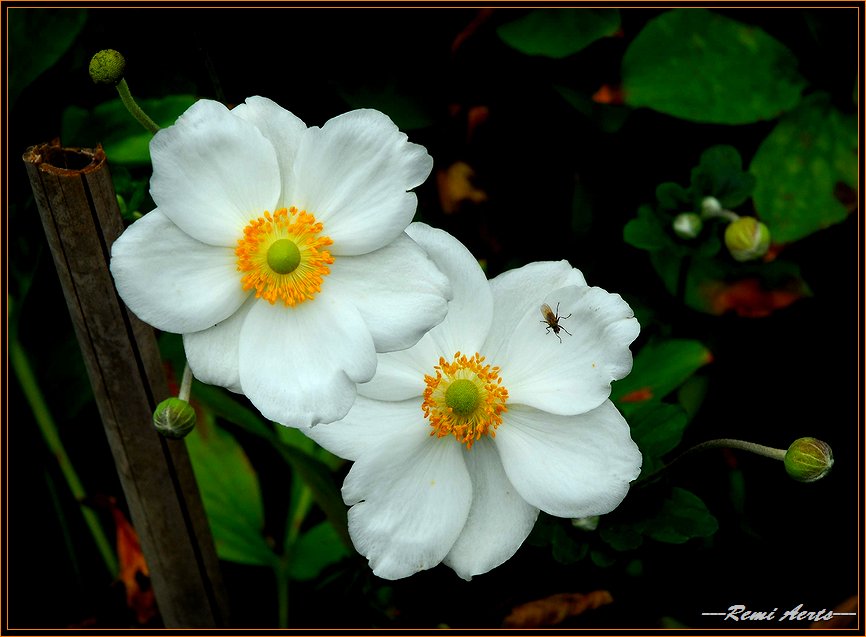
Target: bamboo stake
77,203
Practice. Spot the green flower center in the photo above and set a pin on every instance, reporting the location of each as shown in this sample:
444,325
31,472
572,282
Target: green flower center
462,396
283,256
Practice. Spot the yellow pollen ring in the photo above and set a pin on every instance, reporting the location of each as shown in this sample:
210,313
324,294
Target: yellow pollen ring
281,256
472,418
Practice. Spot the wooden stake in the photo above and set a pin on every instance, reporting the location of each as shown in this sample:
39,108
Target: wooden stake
77,203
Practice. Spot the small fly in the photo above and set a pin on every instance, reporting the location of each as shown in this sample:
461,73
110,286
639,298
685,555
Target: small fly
552,319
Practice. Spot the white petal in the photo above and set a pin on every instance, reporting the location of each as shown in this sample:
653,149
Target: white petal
574,375
170,280
353,174
471,308
518,291
400,375
213,173
411,496
397,289
499,520
285,132
569,466
299,365
212,354
369,424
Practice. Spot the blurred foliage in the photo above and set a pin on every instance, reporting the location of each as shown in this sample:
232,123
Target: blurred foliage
700,66
558,33
556,133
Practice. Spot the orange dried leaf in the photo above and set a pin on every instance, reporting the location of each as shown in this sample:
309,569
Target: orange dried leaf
555,609
748,298
455,187
134,574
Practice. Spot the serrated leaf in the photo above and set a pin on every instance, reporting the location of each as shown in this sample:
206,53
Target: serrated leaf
672,196
621,537
565,549
683,516
319,547
646,232
720,174
798,167
230,494
558,33
38,38
700,66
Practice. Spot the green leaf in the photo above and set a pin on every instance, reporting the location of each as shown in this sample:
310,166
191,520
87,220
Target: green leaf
672,196
565,549
646,232
703,67
659,368
720,174
621,537
230,493
122,137
38,38
656,430
315,473
319,547
683,516
558,33
798,167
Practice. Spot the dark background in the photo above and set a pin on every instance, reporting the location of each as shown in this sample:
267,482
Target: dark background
772,380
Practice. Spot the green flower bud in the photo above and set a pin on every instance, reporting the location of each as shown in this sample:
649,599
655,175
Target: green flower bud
106,67
174,418
687,225
747,239
710,206
808,459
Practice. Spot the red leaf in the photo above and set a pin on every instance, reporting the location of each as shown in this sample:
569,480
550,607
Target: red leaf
555,609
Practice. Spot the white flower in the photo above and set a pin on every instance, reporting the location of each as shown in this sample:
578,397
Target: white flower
279,252
458,441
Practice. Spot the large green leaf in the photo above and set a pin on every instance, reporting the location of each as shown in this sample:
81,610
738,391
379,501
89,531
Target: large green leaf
656,430
313,471
659,368
124,139
37,40
798,168
231,495
703,67
314,550
558,33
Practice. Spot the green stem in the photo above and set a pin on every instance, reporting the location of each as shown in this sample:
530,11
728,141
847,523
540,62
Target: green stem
720,214
27,380
720,443
282,576
185,383
133,108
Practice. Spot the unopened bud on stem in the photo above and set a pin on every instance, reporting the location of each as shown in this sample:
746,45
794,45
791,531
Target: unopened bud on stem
106,67
808,459
174,418
747,239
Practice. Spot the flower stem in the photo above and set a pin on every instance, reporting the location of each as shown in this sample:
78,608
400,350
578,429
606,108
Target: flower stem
27,380
185,383
133,108
720,214
719,443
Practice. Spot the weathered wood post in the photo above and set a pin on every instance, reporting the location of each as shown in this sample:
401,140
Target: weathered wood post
77,203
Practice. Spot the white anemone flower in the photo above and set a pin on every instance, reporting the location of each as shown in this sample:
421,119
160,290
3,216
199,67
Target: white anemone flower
279,252
459,441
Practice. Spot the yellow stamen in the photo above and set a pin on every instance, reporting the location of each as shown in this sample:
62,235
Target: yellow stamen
283,273
465,424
